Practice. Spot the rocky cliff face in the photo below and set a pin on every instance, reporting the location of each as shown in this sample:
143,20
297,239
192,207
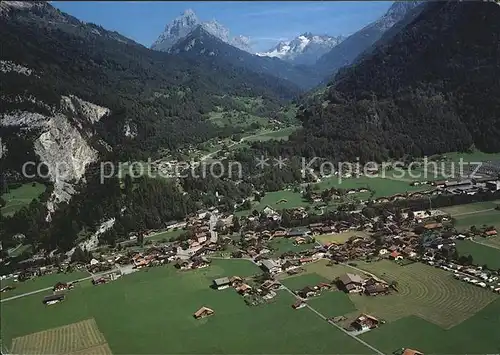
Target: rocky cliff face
59,138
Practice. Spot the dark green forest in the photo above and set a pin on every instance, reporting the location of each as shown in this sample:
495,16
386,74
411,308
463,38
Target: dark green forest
163,95
434,87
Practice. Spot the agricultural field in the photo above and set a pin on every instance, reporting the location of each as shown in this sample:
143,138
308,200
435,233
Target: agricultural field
76,338
432,312
382,186
151,312
476,335
332,304
478,219
470,208
281,134
430,293
40,282
22,196
298,282
481,254
330,273
283,245
278,200
19,250
237,119
168,235
339,238
493,242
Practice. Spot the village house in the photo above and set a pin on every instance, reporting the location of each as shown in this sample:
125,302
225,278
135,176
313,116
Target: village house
271,266
7,288
490,233
53,299
243,289
308,291
298,304
365,322
270,285
396,255
235,281
408,351
61,286
373,289
203,312
350,283
290,265
298,232
221,283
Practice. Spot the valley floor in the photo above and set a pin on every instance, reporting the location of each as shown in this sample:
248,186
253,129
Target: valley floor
151,311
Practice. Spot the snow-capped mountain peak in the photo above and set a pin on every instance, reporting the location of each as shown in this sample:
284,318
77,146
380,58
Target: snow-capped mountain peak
304,49
217,30
183,25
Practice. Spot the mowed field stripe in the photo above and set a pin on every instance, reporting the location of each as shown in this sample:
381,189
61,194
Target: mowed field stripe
430,293
73,338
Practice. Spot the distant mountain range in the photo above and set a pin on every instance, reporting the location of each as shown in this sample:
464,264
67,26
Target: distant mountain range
304,49
183,25
323,54
202,43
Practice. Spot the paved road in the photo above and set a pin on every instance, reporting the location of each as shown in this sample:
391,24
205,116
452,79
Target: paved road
322,316
485,244
51,287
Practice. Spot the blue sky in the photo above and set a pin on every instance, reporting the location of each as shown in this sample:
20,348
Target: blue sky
264,22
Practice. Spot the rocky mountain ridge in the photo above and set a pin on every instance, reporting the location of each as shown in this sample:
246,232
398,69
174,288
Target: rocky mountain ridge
183,25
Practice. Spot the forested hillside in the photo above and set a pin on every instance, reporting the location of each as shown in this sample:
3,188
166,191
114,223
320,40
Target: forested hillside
163,98
433,87
348,50
162,95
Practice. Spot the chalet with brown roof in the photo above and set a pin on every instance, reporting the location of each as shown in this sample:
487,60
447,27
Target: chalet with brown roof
203,312
270,285
375,289
300,240
350,283
266,234
308,291
235,280
299,304
408,351
243,289
323,286
327,229
61,286
432,226
365,322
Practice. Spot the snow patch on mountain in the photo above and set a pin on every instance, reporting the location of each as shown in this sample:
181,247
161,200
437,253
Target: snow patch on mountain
183,25
304,49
